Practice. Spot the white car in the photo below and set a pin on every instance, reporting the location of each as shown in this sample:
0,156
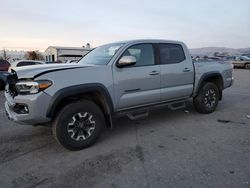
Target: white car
72,61
21,63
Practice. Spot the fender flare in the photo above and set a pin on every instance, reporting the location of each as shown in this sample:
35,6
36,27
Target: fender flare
78,89
205,77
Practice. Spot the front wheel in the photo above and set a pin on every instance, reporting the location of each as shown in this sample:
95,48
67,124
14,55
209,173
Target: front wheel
207,99
78,125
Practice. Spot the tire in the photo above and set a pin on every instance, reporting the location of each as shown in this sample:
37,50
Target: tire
247,66
207,99
78,125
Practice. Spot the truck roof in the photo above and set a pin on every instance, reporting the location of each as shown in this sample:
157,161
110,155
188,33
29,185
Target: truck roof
150,41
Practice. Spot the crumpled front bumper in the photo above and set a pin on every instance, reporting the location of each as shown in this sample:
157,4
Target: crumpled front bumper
37,107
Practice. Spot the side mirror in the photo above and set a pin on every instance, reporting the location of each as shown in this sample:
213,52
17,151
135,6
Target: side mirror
126,61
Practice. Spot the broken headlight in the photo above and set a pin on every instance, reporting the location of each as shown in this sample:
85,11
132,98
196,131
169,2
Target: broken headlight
32,87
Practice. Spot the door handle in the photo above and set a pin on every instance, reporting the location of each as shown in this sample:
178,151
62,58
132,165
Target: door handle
154,72
186,70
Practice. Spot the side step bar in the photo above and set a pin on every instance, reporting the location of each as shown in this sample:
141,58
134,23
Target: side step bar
137,115
144,112
177,106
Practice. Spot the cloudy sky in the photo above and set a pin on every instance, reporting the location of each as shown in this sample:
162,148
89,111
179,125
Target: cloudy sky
37,24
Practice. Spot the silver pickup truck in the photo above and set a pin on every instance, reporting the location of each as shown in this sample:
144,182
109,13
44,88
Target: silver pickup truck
122,78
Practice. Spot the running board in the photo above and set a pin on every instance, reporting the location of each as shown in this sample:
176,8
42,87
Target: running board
140,112
137,115
177,106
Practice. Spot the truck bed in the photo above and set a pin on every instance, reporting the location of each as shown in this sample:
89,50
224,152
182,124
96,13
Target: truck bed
203,68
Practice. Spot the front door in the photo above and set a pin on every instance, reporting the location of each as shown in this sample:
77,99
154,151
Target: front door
139,84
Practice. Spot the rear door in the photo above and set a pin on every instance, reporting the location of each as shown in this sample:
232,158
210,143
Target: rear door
177,72
139,84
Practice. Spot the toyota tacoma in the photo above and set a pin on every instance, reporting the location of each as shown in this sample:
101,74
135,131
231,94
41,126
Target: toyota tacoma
123,78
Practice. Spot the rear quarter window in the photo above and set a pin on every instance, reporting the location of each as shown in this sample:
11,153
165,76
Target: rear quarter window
171,53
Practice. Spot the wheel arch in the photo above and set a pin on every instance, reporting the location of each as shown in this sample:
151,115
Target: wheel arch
95,92
214,77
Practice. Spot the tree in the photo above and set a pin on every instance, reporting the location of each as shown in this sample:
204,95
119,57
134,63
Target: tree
33,55
5,56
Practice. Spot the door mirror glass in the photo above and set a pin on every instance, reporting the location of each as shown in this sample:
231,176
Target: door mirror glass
126,61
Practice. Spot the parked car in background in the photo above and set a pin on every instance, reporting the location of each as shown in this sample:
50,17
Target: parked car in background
242,62
4,65
22,63
53,62
247,55
72,61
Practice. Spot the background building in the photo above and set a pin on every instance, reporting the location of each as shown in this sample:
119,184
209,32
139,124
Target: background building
57,53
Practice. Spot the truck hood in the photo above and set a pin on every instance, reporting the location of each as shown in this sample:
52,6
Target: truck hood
34,71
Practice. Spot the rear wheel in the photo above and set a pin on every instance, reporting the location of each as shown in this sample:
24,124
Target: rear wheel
78,125
247,66
207,99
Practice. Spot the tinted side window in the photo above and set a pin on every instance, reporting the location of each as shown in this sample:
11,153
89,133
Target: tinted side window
25,63
171,53
143,53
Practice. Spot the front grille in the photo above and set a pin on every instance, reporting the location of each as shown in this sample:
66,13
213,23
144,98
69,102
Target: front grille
11,83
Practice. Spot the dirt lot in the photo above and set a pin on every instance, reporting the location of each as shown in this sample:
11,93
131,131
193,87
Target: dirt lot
168,149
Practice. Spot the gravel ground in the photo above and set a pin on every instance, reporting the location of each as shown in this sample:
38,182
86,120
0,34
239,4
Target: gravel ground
179,148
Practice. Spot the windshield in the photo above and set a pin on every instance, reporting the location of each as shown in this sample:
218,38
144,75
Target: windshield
101,55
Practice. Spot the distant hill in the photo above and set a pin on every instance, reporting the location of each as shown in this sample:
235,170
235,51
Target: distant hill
209,51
